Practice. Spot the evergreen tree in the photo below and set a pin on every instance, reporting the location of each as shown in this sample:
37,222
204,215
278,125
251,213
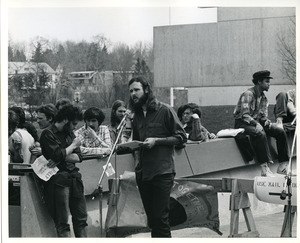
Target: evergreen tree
142,69
38,54
10,54
50,58
20,56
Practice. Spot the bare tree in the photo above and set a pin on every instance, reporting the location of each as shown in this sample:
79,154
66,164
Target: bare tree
287,50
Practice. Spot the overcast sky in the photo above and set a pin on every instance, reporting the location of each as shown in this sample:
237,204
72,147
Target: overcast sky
119,24
128,21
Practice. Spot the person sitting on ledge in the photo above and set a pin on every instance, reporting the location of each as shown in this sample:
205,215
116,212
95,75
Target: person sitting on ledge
285,109
190,116
251,113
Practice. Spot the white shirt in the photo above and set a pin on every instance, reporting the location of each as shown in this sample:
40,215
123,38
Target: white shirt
23,137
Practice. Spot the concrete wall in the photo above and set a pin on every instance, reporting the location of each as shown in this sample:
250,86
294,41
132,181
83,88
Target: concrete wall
214,96
226,53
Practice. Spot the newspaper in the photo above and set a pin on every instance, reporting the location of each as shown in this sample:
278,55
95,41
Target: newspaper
41,169
132,145
110,170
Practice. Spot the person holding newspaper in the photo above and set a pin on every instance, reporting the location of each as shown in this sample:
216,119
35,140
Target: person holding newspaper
64,190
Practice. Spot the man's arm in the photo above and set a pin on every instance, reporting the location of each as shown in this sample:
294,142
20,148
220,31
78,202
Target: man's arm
291,102
73,158
90,139
101,151
16,153
151,142
197,133
246,100
51,147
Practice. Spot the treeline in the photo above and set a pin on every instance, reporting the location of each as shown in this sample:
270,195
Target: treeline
70,56
96,55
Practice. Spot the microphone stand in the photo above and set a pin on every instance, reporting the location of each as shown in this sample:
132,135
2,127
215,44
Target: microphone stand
283,195
100,187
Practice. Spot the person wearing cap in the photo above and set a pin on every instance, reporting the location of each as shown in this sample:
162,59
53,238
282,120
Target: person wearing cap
251,113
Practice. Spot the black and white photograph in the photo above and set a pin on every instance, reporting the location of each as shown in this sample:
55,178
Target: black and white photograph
149,119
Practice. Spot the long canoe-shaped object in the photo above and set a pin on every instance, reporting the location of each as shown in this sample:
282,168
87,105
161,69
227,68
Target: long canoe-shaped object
218,158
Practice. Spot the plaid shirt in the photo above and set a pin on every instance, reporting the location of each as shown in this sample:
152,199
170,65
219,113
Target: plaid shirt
251,107
99,145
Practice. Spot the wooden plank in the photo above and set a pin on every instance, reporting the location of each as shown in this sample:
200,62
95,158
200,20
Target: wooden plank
243,185
240,200
249,234
249,219
35,219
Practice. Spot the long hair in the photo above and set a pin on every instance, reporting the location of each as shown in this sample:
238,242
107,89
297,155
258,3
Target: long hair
115,106
13,121
23,123
146,86
69,112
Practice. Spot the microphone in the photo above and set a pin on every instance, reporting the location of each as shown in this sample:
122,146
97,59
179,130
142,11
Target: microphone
283,195
127,113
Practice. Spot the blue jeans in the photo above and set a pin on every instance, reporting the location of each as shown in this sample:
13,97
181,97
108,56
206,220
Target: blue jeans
155,195
260,141
60,201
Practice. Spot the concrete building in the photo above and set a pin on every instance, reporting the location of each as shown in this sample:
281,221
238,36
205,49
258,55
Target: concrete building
215,61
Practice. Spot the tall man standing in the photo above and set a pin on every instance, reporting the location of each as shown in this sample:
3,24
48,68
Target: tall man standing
251,113
158,127
64,191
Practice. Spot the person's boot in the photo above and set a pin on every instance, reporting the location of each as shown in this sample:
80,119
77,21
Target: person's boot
265,170
80,232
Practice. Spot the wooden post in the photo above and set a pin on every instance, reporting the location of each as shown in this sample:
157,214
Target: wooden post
239,200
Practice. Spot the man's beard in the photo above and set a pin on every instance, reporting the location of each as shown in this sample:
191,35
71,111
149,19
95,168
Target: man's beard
67,128
141,101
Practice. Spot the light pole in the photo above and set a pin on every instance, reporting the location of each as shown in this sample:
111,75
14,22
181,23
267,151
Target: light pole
77,97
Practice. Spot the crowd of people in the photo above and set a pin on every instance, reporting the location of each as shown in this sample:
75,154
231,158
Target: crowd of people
156,125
